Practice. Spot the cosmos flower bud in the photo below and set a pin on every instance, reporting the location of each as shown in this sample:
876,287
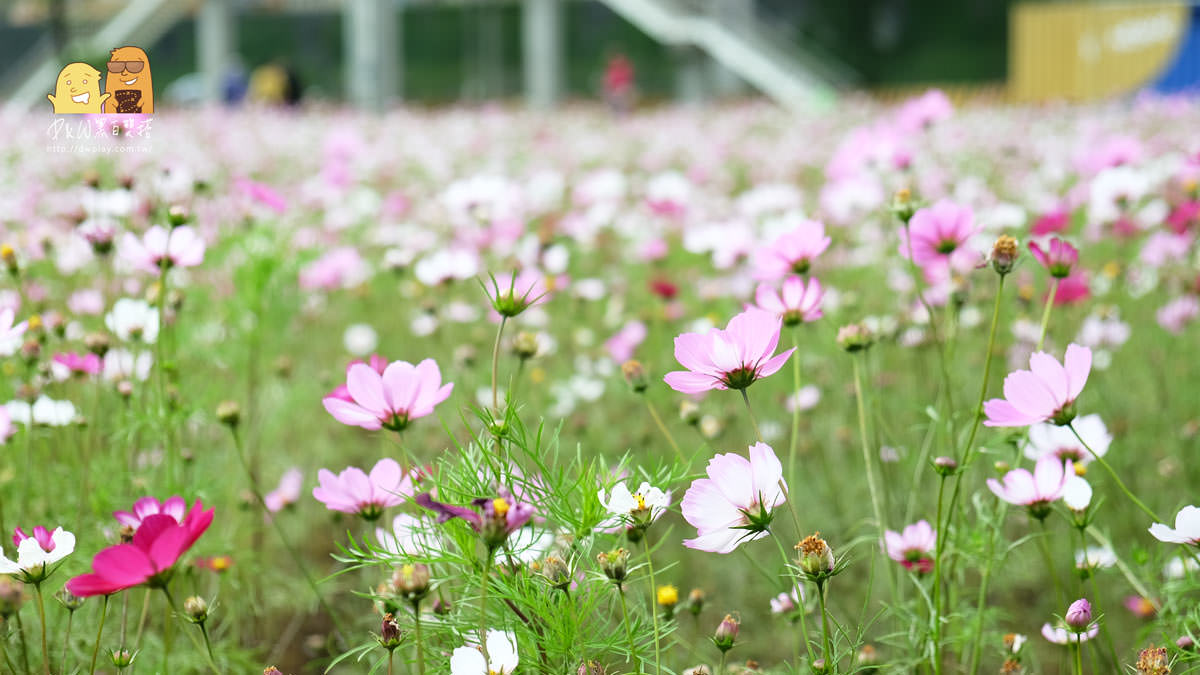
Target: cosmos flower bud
555,570
411,582
1153,661
229,413
695,601
903,205
945,466
97,343
1001,466
178,215
590,668
125,389
815,557
854,337
726,633
1079,615
1004,254
525,345
867,658
389,633
122,658
689,412
667,596
1186,643
820,666
69,600
196,609
635,375
614,564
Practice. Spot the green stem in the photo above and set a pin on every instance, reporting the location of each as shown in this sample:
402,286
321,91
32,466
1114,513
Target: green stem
799,599
663,428
653,605
212,661
830,659
1046,314
67,640
37,589
984,582
1120,483
1044,545
753,419
628,628
391,655
99,633
1078,650
721,665
937,581
24,644
866,450
496,365
795,440
416,606
287,544
483,596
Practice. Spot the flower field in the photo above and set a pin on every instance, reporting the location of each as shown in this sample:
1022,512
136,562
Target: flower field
895,389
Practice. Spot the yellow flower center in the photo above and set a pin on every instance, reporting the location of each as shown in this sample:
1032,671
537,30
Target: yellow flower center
500,505
220,563
641,502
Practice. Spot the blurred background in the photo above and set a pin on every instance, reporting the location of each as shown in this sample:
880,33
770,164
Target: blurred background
800,53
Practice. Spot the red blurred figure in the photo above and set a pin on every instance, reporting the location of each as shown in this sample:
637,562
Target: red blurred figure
618,83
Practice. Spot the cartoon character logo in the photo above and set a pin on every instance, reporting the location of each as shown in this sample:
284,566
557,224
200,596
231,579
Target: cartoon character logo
77,90
129,82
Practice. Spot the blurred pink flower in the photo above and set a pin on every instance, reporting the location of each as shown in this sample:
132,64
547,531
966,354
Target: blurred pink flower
938,236
621,346
262,193
1058,257
287,493
1045,392
391,400
924,110
1035,490
1052,221
913,547
795,303
177,247
734,503
78,364
1178,313
366,495
1072,289
733,358
792,253
339,268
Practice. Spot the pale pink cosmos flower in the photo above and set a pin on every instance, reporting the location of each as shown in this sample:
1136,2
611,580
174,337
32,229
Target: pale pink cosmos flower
10,333
178,247
70,363
913,547
1061,636
1035,490
734,503
355,491
287,493
795,303
733,358
1178,313
622,345
792,252
1045,392
391,400
938,236
785,603
1186,530
1058,257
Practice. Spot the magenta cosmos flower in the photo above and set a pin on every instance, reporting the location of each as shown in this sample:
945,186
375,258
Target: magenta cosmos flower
1044,393
367,495
734,503
792,253
938,235
148,560
145,507
729,359
1058,257
913,547
389,400
1036,490
493,519
71,363
795,303
178,247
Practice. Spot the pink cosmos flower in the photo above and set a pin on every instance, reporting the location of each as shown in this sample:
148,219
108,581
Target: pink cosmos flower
342,267
937,236
1178,313
1072,289
391,400
145,507
1035,490
1044,393
148,560
287,493
791,253
913,547
923,111
622,345
734,503
1051,222
733,358
261,193
178,247
1058,257
354,491
493,519
795,303
375,361
78,364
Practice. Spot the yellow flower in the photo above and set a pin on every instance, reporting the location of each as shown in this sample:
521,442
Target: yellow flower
668,595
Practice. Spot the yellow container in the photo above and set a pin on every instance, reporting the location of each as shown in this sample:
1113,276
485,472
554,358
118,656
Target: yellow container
1087,51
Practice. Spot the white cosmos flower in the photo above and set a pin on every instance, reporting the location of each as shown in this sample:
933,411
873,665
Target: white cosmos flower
122,364
44,411
360,339
1077,493
526,545
132,319
1095,556
1186,530
10,333
635,506
1048,438
501,659
36,553
409,536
